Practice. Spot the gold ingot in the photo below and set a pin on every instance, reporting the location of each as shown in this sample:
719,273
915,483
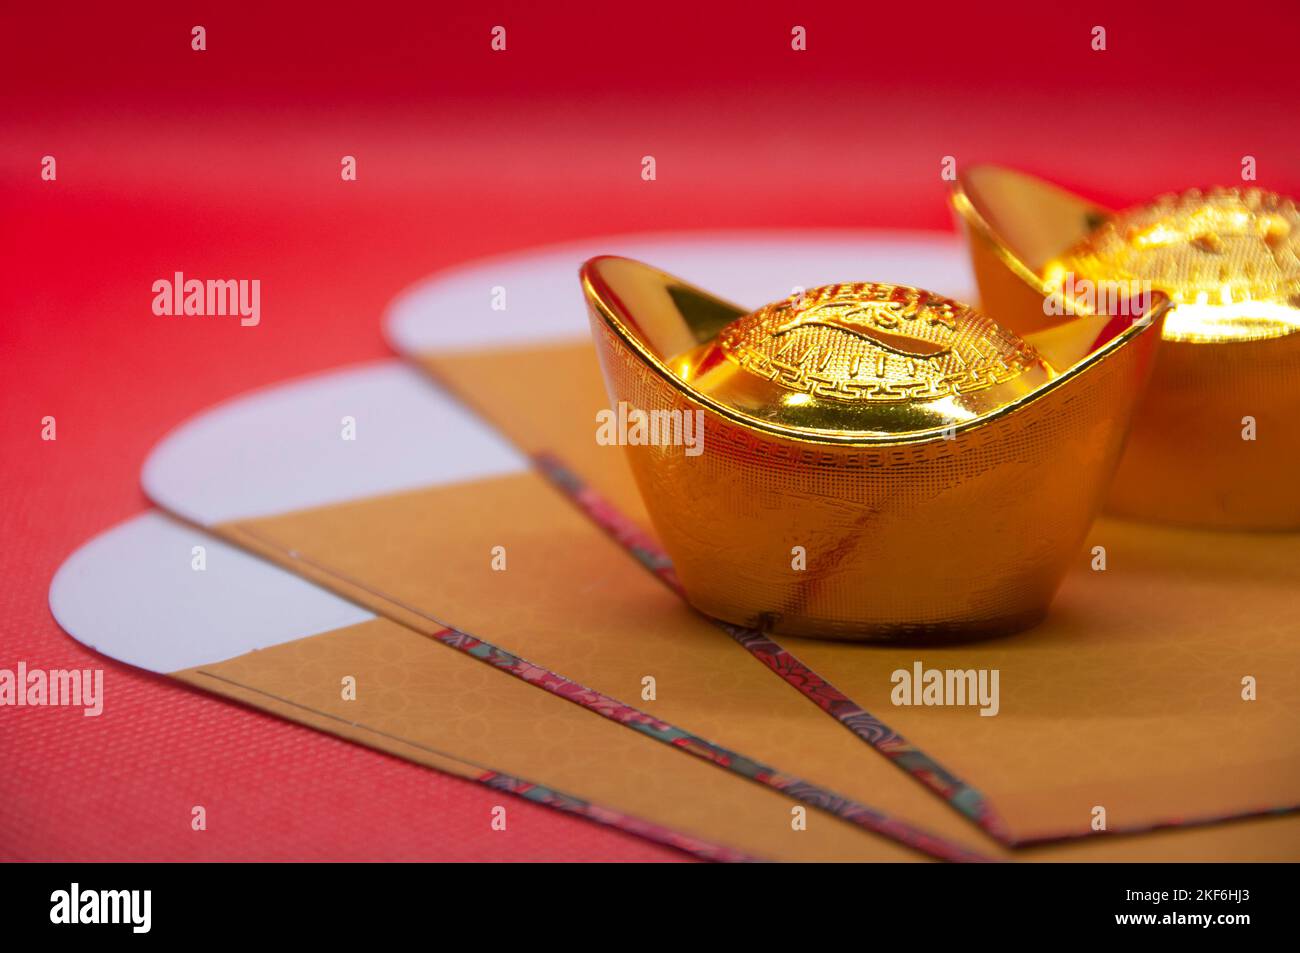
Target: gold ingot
878,462
1216,440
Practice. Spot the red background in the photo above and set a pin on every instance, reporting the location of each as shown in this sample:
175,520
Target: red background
226,163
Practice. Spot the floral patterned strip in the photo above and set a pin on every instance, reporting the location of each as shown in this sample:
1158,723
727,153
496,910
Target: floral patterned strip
539,794
793,787
965,799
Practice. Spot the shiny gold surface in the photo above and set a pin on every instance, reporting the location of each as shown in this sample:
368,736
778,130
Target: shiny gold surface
936,472
864,359
1230,362
1226,258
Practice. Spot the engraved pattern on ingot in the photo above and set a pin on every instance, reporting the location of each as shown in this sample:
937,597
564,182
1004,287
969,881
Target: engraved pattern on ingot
1229,259
875,342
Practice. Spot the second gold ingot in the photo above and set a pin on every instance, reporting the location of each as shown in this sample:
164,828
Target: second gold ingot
879,462
1216,440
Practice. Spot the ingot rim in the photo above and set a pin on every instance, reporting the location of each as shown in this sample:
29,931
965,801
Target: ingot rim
981,228
587,274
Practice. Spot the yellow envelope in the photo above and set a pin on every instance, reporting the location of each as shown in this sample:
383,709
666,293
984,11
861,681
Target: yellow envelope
243,629
248,631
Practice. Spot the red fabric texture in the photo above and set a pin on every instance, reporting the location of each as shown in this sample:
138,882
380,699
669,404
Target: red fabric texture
225,163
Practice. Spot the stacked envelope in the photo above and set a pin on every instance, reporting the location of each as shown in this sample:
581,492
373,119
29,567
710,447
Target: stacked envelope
437,558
